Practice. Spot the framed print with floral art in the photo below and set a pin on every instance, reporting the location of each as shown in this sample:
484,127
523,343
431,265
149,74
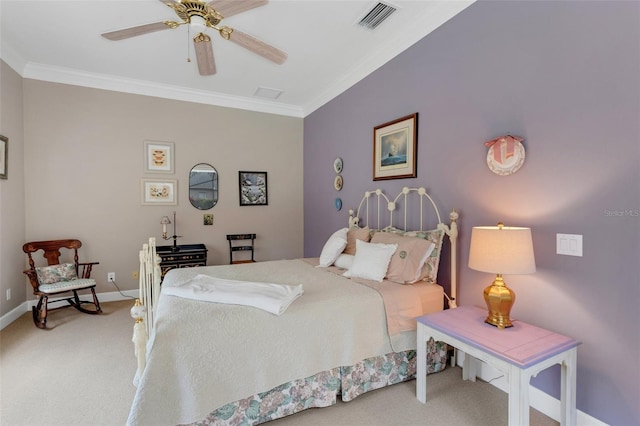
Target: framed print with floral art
395,148
158,157
159,192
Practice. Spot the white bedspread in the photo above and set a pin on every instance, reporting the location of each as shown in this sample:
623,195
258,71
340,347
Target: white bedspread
273,298
204,355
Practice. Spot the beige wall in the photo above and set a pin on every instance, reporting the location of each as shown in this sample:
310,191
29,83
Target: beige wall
84,162
12,223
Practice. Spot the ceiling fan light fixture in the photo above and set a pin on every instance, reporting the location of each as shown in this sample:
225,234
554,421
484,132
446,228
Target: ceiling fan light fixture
197,23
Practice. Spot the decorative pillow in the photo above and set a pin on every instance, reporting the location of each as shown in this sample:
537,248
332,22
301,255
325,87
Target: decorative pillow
333,247
344,261
56,273
371,261
355,234
408,260
430,268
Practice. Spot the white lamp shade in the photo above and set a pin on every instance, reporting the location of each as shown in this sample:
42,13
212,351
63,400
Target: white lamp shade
502,250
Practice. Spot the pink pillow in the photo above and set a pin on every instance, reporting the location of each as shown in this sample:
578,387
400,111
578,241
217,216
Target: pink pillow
407,262
436,236
356,234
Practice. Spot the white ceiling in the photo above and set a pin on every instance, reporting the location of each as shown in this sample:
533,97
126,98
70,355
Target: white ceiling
59,41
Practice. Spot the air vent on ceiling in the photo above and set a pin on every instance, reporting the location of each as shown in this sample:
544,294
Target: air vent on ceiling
266,92
376,15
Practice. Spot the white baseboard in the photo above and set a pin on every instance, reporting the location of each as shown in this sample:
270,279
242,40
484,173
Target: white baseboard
114,296
538,399
19,310
13,315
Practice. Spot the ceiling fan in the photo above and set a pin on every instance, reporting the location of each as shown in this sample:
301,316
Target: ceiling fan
201,15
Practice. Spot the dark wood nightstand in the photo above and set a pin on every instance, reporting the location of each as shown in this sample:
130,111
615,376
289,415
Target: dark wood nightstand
187,256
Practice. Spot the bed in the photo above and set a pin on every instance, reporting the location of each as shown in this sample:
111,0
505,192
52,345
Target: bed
237,362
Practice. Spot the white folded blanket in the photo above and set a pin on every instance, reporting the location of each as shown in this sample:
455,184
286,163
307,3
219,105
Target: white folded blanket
273,298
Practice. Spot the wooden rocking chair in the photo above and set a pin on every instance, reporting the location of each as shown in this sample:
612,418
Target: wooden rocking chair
57,278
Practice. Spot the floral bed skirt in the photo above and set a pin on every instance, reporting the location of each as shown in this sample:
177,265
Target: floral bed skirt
322,389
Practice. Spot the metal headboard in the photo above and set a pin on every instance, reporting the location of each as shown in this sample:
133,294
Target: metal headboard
375,201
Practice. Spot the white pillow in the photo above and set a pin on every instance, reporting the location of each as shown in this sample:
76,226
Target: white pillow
344,261
333,247
371,261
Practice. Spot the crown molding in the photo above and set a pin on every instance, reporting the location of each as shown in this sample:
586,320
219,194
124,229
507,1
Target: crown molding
139,87
146,88
11,58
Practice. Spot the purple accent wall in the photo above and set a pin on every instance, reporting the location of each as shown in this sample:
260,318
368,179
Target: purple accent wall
566,77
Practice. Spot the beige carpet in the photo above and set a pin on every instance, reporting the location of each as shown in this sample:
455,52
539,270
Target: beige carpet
79,372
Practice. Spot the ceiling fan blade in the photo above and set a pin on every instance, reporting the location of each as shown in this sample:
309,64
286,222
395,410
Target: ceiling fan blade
139,30
204,54
257,46
228,8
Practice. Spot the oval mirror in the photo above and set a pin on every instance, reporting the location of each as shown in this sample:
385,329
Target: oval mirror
203,186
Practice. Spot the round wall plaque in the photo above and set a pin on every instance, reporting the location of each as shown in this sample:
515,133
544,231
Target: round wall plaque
337,165
506,155
337,183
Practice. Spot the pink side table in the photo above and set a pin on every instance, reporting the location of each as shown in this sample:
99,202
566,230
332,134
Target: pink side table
520,352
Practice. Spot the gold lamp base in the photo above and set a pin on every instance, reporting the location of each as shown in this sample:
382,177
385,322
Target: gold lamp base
499,299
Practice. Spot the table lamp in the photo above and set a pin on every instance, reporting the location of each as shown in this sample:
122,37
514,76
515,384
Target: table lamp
501,250
166,221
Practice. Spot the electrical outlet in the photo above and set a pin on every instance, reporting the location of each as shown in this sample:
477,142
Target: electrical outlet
8,294
111,277
134,275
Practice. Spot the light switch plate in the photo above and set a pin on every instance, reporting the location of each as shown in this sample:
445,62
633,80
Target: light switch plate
569,244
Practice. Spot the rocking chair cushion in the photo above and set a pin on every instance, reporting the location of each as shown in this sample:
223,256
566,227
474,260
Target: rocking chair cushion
67,285
56,273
